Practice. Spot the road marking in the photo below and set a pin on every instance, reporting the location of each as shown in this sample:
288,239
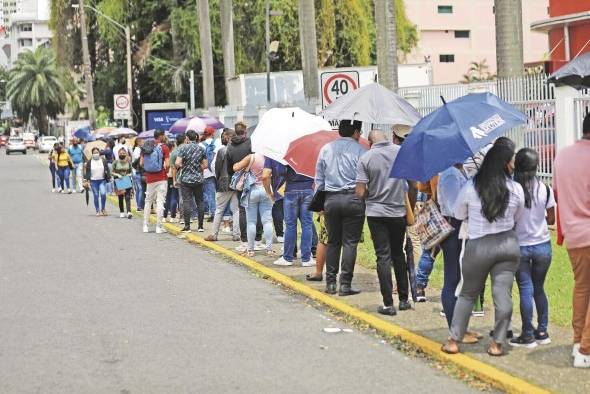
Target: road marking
487,373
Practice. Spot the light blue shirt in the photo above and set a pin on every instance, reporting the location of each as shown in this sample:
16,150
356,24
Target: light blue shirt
76,154
449,185
337,165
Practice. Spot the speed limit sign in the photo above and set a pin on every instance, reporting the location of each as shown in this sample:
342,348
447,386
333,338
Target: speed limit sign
336,84
122,106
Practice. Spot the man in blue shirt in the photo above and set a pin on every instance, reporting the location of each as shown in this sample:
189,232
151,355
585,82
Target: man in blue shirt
344,211
77,155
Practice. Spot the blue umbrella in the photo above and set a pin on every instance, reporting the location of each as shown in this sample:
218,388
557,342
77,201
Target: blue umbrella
453,133
85,133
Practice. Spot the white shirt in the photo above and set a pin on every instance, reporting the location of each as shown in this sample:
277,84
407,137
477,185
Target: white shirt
468,206
96,170
532,228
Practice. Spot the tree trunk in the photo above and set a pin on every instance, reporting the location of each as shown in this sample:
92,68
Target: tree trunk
227,42
42,120
509,56
206,53
309,50
386,43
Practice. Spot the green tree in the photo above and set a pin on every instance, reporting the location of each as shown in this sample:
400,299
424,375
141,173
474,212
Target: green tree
3,81
35,88
478,72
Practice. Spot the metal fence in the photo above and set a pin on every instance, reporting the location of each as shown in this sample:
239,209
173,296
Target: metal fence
581,109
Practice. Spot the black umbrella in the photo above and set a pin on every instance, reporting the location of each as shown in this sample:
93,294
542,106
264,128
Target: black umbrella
87,193
576,73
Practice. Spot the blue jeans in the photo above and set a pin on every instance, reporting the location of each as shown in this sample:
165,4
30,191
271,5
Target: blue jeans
534,264
139,192
295,206
99,188
259,203
209,190
171,204
64,176
451,248
425,266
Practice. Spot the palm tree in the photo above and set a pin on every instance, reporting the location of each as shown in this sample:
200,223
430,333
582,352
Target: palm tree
206,53
35,88
309,50
509,38
385,22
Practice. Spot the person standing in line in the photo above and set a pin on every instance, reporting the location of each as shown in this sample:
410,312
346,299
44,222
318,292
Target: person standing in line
77,155
493,203
155,161
171,204
192,161
122,168
257,202
273,179
572,185
175,173
64,164
426,262
224,196
535,249
138,174
385,200
55,182
240,147
96,175
344,212
210,147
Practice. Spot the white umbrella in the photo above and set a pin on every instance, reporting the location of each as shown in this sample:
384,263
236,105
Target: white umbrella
123,131
373,104
280,126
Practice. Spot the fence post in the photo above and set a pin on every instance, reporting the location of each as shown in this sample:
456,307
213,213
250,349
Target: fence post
565,122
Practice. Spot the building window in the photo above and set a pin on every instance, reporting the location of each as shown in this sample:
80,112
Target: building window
445,9
26,27
446,58
461,33
26,42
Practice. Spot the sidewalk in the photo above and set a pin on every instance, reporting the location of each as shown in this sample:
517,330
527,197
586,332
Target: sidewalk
547,366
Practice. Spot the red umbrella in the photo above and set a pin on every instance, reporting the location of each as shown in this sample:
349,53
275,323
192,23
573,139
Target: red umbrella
303,152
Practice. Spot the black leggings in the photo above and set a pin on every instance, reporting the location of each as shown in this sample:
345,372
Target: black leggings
127,197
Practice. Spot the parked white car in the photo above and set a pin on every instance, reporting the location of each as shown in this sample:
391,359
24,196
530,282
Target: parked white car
45,144
16,144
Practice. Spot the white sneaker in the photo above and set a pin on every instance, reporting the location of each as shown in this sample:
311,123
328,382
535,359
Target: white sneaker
575,349
122,215
226,230
242,247
146,229
53,190
201,230
259,246
160,230
310,263
581,360
282,262
280,240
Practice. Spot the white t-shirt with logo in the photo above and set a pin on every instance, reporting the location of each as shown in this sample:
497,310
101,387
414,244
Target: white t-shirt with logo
532,227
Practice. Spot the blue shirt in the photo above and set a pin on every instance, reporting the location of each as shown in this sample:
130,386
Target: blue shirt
450,183
76,154
337,165
278,175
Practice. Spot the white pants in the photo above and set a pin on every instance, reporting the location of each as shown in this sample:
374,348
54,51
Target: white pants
155,194
77,177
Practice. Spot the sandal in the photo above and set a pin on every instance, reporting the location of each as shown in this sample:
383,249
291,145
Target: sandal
248,253
271,253
449,348
314,278
211,238
495,353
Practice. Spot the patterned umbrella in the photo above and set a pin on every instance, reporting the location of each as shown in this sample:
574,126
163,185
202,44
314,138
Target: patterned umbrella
123,131
196,123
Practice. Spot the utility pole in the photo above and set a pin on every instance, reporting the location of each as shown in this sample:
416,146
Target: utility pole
386,43
227,42
309,50
206,53
192,90
87,67
509,56
267,52
129,75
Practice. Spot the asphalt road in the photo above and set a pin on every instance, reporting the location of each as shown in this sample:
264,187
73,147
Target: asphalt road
93,305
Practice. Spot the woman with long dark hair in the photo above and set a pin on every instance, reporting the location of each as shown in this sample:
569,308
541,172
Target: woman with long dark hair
535,249
492,203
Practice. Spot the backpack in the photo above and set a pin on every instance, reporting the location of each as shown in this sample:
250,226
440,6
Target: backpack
210,153
153,157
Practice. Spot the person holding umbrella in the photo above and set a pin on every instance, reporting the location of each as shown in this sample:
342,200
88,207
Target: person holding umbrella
345,213
96,175
385,200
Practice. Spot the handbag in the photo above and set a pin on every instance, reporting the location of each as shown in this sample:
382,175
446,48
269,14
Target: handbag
123,183
431,227
238,179
410,219
317,201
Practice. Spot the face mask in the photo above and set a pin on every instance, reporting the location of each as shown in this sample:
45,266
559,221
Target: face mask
95,156
123,142
122,157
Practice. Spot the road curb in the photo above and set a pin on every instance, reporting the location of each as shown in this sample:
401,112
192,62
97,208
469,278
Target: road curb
495,377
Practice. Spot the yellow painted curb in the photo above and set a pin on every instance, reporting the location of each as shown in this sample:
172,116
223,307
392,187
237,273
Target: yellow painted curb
490,374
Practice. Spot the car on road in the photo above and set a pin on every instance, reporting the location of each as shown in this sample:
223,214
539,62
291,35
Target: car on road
3,139
46,144
16,144
29,139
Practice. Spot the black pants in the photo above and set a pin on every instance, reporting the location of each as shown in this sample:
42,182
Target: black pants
127,198
345,217
388,236
244,223
190,191
278,217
